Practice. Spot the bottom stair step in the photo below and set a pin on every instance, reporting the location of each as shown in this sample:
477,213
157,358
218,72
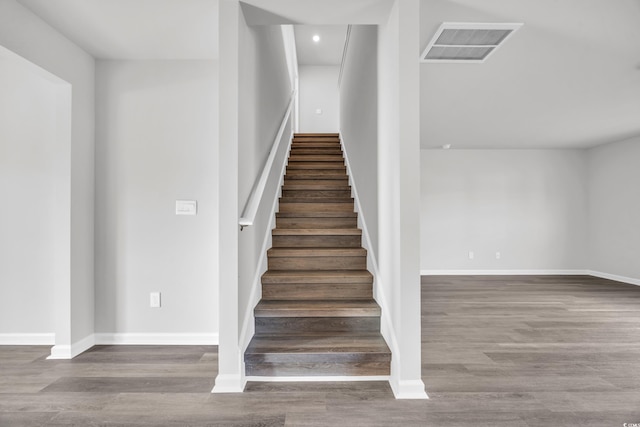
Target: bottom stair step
317,355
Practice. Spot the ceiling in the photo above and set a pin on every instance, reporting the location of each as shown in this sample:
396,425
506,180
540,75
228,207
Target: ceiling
135,29
569,77
328,51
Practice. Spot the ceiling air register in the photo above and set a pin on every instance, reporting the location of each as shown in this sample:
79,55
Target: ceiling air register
466,42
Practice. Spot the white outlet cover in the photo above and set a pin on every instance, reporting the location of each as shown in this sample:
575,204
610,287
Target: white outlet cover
186,207
154,300
471,255
318,110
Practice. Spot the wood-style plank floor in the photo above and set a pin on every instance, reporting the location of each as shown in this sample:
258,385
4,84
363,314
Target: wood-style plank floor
497,351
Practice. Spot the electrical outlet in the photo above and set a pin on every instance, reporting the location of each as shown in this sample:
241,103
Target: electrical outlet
498,255
471,255
154,300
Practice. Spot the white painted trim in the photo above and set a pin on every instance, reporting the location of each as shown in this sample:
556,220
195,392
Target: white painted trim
251,208
408,389
228,384
609,276
66,352
156,339
317,379
504,272
28,339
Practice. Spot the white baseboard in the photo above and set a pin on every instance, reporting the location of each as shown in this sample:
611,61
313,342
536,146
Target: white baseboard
504,272
28,339
413,389
228,384
308,379
66,352
623,279
156,339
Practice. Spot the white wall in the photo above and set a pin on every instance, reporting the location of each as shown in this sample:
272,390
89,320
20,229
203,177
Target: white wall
265,91
318,87
28,36
529,205
28,184
359,122
614,208
156,143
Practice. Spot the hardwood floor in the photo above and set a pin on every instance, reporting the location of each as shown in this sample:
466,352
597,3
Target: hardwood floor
497,351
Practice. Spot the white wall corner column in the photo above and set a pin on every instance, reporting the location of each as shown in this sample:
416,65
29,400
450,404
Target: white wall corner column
26,35
230,377
399,193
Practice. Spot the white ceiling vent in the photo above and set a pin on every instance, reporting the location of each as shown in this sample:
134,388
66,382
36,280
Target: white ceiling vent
466,42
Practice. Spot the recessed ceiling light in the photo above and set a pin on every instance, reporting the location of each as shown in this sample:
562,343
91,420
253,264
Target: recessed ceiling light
316,38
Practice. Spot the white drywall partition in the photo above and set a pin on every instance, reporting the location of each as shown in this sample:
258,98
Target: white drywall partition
157,136
33,174
28,36
319,98
230,376
359,122
255,90
399,195
614,210
513,209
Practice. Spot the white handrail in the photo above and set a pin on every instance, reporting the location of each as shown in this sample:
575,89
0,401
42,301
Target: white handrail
253,203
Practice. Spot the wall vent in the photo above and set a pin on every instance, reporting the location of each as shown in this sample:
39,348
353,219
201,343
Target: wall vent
466,41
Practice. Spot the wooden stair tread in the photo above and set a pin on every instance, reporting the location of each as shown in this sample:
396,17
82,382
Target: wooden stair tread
315,252
299,185
317,344
312,134
311,277
335,214
316,232
316,158
336,166
322,200
315,308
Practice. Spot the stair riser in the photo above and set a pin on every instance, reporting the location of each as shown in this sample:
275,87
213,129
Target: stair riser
316,200
317,173
286,207
334,166
316,193
317,158
320,291
338,180
316,241
318,369
306,325
323,151
332,223
318,263
317,184
328,140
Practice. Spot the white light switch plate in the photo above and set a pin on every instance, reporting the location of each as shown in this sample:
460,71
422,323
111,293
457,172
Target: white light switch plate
186,207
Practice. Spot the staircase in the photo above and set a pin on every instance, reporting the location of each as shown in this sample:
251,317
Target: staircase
317,316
